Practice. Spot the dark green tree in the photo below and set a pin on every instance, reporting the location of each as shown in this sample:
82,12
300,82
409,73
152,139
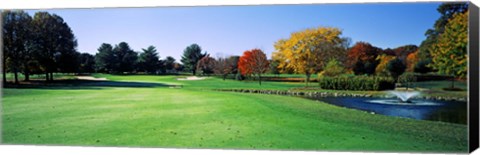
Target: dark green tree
422,66
126,58
396,68
148,60
191,55
17,43
274,67
87,63
105,59
169,63
54,42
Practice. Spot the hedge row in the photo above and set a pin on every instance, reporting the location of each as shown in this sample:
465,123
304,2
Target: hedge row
357,83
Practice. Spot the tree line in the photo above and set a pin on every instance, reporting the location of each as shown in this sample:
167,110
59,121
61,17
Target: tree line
45,44
325,52
121,59
42,44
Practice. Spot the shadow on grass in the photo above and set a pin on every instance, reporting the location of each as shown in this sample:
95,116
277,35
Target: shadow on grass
84,84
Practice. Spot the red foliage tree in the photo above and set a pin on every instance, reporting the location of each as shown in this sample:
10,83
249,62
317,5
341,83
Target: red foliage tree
223,67
363,53
206,65
402,52
253,62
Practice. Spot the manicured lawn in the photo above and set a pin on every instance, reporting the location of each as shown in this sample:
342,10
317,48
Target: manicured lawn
194,116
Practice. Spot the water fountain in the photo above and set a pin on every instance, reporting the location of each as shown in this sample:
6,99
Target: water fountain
404,104
405,96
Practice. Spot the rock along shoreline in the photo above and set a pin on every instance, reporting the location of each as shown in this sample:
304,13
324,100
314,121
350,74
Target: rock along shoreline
313,94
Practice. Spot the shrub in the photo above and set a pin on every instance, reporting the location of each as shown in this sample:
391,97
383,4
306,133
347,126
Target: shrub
357,83
333,68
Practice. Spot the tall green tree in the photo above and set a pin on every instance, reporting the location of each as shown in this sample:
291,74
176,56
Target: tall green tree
396,68
105,59
191,55
17,42
149,60
449,54
67,61
446,10
126,58
169,63
54,42
87,63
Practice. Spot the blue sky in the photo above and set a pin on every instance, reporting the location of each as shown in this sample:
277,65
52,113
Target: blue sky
230,30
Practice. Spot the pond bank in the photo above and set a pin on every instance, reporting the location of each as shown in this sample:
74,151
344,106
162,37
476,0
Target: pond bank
315,94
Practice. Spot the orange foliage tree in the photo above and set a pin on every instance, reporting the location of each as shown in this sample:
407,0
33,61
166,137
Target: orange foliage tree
383,60
253,62
363,53
411,60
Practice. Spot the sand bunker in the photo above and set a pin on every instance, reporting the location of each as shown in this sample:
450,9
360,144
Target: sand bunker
192,78
91,78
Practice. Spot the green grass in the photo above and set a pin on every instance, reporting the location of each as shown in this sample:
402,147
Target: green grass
197,117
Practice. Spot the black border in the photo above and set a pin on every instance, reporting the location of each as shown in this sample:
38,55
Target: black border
473,77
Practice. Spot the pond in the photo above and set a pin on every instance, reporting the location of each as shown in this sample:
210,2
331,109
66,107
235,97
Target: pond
444,111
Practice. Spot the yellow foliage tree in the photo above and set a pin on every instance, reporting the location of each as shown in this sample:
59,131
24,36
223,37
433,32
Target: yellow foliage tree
382,65
308,51
449,54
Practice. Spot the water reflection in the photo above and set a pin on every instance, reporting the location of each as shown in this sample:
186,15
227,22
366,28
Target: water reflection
445,111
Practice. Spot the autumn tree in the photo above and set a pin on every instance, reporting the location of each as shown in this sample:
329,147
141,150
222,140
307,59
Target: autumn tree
253,62
402,52
447,10
412,60
449,54
223,67
381,68
206,65
308,51
280,58
362,58
233,62
191,55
